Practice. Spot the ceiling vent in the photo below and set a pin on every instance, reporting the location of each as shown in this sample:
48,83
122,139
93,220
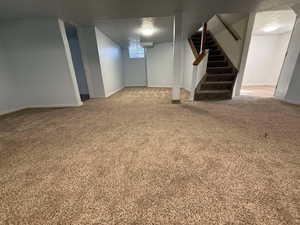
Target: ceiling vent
147,44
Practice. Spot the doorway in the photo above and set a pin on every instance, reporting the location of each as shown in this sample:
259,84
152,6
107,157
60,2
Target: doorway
268,47
73,40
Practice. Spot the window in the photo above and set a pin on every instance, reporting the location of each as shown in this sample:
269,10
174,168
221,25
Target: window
136,52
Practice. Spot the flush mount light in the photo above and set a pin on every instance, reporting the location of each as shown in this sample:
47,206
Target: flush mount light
147,31
271,28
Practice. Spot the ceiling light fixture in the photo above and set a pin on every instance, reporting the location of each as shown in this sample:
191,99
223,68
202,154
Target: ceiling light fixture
271,28
147,31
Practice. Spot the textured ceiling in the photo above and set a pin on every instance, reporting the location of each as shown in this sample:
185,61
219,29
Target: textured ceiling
126,31
283,20
89,11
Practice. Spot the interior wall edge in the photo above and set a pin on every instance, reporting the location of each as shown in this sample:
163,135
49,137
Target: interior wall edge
69,60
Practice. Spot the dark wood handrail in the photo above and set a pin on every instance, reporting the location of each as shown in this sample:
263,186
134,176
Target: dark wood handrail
199,58
194,50
233,33
199,55
203,38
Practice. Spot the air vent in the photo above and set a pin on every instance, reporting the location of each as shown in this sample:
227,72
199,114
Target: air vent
147,44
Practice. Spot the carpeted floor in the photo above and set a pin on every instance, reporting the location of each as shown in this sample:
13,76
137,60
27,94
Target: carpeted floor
136,159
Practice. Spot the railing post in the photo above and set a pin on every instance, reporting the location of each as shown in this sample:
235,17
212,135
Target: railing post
203,38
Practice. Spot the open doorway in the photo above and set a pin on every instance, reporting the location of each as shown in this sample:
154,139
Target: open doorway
268,47
73,40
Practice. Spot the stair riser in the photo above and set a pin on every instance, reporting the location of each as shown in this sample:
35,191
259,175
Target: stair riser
219,70
215,52
196,41
212,48
216,86
198,46
220,78
217,64
212,97
216,58
210,44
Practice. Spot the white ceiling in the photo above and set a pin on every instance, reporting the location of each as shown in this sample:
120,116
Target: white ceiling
282,20
126,31
89,11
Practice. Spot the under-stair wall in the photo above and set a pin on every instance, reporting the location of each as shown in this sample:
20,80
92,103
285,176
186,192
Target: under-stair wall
232,45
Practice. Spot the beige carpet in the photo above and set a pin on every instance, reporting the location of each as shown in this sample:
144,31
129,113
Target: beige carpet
137,159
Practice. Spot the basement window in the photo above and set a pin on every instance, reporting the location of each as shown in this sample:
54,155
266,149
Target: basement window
136,52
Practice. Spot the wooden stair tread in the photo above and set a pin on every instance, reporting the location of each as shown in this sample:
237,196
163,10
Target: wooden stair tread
217,61
220,74
218,82
213,91
219,67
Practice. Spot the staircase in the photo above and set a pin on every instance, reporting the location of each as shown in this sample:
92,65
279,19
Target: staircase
220,76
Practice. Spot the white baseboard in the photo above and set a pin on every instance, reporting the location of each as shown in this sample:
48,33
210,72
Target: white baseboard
187,89
287,101
259,85
113,92
54,106
135,85
292,102
39,106
160,86
11,110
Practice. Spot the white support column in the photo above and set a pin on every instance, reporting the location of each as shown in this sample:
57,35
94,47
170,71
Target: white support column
177,57
244,58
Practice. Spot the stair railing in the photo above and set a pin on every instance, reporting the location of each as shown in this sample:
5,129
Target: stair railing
199,56
203,38
200,62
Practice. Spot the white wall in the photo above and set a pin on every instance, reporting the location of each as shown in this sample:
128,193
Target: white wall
233,48
293,93
42,65
9,101
265,59
134,71
110,55
289,69
292,64
160,65
188,66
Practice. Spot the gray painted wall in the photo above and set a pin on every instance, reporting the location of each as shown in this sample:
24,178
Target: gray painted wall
111,63
9,100
288,85
38,58
160,65
134,71
293,94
